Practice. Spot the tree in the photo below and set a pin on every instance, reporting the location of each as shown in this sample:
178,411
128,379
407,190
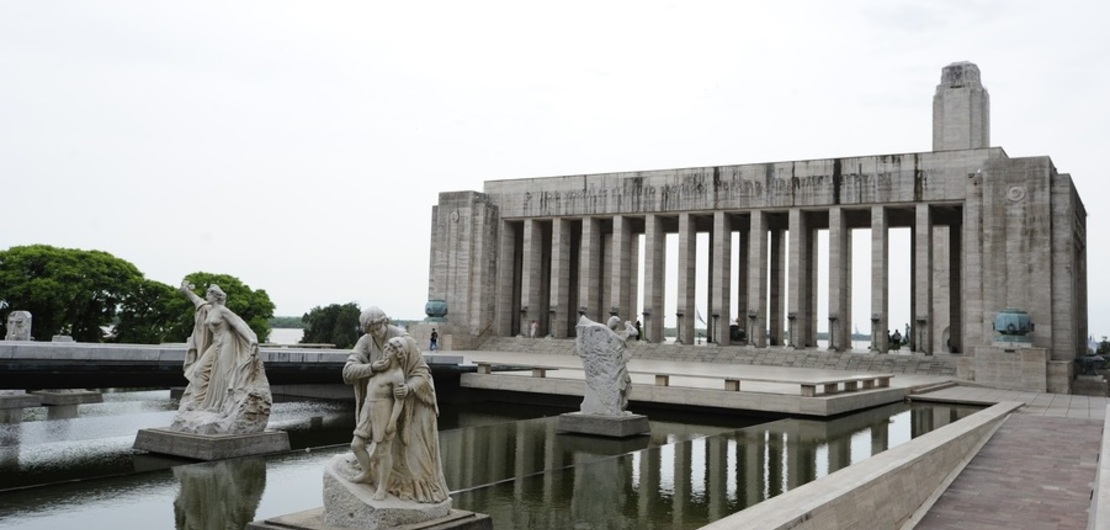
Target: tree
253,306
68,291
334,324
146,314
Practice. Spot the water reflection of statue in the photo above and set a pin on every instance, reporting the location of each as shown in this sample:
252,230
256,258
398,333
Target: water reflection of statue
219,495
19,326
605,357
228,392
417,473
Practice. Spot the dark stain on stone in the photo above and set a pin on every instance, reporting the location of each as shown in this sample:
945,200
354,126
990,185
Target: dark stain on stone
919,180
836,181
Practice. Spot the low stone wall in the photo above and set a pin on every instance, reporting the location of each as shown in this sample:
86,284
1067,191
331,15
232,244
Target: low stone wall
1099,516
1012,369
888,490
941,365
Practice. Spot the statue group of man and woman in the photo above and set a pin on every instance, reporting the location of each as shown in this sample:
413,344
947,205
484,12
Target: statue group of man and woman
396,440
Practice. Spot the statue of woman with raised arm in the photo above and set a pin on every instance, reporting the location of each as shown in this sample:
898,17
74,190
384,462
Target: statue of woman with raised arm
228,392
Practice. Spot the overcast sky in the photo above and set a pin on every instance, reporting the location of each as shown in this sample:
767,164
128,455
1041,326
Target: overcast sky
301,145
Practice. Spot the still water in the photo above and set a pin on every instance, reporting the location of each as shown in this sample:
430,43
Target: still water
499,458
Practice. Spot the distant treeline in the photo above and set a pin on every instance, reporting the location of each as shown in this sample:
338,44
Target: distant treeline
297,323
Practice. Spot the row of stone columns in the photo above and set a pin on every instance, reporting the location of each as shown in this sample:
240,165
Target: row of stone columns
596,267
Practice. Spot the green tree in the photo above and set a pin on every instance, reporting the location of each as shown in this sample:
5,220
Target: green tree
68,291
286,322
146,314
253,306
334,324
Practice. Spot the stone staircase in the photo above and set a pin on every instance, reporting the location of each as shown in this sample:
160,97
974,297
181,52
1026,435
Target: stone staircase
940,365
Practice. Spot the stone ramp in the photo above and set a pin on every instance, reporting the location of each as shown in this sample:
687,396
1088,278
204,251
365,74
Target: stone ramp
1036,472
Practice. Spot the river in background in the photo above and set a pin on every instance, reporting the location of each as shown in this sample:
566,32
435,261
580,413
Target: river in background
286,335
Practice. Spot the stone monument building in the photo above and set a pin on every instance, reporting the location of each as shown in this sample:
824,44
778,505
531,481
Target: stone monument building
988,232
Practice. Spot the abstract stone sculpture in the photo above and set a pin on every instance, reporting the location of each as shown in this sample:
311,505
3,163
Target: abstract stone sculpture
394,475
228,392
605,356
19,326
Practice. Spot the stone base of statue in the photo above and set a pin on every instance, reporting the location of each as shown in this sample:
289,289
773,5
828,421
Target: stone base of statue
18,399
314,520
210,446
621,426
69,397
351,505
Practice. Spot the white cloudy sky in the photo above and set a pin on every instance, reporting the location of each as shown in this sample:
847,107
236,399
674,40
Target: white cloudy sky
301,145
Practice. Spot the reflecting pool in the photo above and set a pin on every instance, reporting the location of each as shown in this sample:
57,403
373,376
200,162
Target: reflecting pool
499,458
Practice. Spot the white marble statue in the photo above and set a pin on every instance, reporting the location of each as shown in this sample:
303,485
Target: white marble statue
417,473
605,356
228,392
19,326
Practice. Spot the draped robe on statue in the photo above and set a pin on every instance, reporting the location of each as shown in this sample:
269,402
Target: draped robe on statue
417,473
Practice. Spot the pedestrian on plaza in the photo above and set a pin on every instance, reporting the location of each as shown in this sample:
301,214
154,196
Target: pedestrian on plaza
533,329
435,341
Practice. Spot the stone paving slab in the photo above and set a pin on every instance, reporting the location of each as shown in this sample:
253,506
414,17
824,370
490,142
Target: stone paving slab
1036,472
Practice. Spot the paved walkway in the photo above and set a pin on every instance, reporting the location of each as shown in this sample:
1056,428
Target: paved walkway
1036,472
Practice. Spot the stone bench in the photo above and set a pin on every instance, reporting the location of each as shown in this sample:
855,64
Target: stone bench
486,368
808,386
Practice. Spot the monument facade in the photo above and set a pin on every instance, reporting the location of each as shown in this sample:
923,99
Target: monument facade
988,232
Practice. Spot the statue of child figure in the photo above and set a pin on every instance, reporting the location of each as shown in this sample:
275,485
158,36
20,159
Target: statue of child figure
377,422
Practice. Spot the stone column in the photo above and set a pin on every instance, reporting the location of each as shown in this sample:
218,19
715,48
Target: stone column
721,294
840,257
620,275
799,280
742,267
589,277
531,276
880,271
778,287
507,275
687,276
757,280
560,309
955,292
923,280
655,260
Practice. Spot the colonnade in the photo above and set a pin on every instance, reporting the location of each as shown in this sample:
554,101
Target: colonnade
554,269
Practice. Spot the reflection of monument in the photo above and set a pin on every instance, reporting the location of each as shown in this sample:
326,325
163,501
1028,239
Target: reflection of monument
605,356
19,326
226,406
221,494
394,474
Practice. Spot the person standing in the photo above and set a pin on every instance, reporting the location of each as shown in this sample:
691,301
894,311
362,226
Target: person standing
533,329
435,341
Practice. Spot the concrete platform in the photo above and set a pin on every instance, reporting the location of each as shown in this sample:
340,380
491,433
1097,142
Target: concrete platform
18,399
68,397
771,389
607,426
314,520
210,447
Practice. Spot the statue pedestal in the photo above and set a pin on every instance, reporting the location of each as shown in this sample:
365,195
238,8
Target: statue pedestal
351,505
314,520
603,425
69,397
210,446
18,399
